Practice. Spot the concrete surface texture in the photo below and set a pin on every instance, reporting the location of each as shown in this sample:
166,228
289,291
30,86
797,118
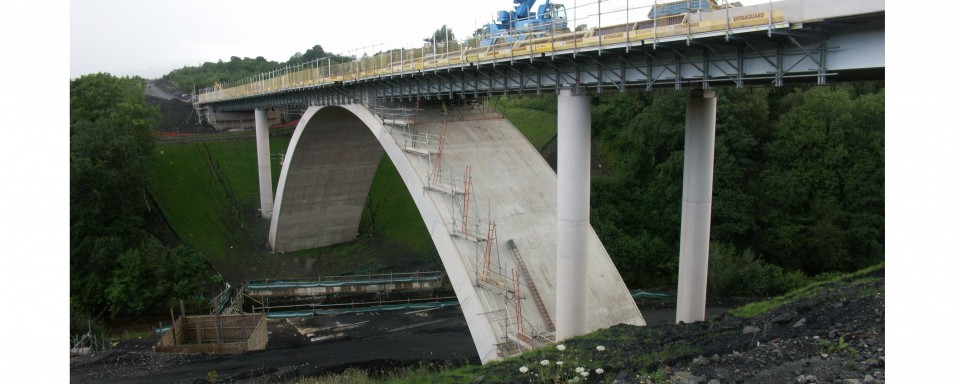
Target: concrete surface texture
697,202
222,121
324,181
263,163
573,210
511,185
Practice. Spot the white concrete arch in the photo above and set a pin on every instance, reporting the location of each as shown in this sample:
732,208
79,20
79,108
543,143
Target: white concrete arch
327,173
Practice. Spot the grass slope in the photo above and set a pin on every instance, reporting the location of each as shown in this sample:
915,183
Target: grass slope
537,126
208,191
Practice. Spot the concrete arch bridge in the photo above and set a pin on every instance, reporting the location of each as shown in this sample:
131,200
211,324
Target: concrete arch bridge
513,236
486,196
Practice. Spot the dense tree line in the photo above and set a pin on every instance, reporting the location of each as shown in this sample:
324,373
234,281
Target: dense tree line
190,78
798,184
117,266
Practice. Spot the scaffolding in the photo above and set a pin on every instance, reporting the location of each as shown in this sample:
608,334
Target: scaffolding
505,291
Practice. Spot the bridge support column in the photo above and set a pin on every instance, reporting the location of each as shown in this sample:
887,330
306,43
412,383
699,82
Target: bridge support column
697,203
263,163
573,210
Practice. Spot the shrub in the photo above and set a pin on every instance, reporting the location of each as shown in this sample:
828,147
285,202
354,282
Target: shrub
733,273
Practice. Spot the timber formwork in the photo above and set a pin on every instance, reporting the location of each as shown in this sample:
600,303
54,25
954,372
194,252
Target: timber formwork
215,334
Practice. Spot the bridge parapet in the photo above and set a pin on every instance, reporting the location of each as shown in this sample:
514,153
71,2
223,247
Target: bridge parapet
742,53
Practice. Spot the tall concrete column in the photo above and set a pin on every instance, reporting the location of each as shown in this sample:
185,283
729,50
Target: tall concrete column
697,203
573,210
263,163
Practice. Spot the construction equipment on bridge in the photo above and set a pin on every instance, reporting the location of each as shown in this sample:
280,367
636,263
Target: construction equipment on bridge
686,6
495,42
522,24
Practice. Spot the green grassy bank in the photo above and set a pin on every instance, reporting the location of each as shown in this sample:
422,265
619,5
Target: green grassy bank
208,192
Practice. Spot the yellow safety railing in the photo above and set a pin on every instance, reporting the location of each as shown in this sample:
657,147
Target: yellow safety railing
468,52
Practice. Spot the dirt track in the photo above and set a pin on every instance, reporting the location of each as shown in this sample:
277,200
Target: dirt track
383,339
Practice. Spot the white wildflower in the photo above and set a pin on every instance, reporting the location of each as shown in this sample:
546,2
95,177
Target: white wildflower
561,347
599,370
524,369
579,369
559,363
585,373
544,362
601,348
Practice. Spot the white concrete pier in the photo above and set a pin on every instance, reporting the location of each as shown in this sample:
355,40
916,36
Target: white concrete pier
697,202
263,163
573,210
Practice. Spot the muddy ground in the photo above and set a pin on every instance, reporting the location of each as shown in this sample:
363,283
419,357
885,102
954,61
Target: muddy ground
370,340
835,335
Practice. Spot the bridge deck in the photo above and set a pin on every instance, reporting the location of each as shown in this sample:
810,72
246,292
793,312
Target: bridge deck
731,45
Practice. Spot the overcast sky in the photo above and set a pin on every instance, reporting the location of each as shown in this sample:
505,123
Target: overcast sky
150,38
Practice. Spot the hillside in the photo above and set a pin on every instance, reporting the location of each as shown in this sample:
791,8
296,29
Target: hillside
206,187
208,191
830,330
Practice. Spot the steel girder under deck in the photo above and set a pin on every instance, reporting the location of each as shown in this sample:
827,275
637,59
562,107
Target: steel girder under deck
787,53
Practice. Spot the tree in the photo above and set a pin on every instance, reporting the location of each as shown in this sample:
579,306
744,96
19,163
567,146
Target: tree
151,277
742,119
314,53
111,149
442,34
822,184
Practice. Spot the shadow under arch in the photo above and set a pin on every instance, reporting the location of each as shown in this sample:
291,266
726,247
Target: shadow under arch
324,180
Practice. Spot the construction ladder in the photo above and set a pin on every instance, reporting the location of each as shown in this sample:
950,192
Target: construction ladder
533,288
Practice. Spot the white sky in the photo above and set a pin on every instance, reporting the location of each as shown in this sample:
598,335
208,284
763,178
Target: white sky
150,38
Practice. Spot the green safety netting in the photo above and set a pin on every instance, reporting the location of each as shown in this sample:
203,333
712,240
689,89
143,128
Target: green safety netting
375,308
641,294
280,284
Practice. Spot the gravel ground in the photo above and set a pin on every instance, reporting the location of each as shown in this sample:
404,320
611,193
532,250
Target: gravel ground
834,335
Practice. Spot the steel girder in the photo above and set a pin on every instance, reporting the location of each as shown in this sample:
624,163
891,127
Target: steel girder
798,53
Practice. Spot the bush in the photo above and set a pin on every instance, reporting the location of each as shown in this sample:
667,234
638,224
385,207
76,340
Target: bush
153,276
742,274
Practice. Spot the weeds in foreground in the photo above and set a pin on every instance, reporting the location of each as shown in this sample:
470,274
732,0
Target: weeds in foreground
426,373
840,346
563,370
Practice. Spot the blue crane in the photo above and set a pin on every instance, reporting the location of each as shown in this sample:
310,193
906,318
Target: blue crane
522,24
684,6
